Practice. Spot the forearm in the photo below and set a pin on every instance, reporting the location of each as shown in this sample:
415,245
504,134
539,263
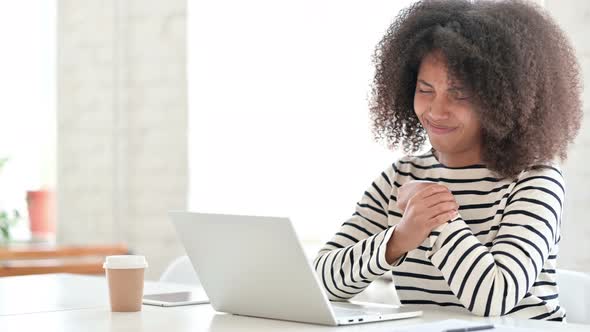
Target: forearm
394,252
488,282
347,271
356,254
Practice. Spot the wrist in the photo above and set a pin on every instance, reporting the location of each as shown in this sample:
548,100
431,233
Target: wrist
393,251
401,204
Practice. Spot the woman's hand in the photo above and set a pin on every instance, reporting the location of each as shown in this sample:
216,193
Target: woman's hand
431,206
409,189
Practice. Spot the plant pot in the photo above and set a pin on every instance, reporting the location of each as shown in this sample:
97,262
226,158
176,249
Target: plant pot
41,206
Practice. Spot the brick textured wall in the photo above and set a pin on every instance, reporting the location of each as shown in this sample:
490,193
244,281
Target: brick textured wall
122,124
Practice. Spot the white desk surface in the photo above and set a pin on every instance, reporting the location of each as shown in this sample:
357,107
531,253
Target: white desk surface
63,302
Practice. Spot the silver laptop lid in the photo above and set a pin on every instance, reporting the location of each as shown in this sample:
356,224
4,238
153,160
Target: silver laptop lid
253,266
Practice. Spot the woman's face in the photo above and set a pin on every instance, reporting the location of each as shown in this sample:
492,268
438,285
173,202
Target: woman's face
444,109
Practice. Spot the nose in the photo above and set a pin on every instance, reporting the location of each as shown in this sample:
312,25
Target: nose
438,109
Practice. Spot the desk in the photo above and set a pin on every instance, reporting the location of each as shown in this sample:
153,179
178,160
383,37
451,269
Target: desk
80,303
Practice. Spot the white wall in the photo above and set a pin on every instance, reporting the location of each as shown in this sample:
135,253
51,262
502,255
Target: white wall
122,124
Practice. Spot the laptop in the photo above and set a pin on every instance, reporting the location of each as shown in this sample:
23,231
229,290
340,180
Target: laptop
256,266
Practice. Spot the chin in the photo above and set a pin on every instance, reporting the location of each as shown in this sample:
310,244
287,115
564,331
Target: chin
443,147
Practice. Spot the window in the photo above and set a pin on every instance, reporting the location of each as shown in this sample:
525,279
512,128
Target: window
27,106
278,100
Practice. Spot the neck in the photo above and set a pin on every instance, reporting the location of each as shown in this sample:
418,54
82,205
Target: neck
460,159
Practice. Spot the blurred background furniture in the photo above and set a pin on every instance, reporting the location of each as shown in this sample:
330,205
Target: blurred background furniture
25,259
574,295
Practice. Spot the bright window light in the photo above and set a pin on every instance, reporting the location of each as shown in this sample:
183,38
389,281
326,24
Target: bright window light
27,107
279,117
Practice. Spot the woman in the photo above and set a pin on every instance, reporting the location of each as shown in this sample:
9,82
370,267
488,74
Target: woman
475,222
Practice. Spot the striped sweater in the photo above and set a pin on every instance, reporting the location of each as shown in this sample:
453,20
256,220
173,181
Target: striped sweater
497,258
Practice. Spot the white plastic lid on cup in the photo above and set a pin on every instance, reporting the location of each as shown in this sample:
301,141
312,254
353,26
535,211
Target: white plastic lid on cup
125,262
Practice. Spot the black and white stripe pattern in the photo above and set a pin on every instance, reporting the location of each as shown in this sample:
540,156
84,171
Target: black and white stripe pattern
497,258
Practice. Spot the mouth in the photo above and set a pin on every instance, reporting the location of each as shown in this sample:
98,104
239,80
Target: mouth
437,128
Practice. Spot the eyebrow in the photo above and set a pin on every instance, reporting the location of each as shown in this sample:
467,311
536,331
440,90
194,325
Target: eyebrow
452,88
424,82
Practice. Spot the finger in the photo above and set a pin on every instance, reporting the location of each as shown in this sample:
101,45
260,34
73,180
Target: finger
442,218
415,186
424,193
441,208
438,198
430,190
425,182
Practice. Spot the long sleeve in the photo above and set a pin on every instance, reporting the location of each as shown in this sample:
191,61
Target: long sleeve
492,281
355,255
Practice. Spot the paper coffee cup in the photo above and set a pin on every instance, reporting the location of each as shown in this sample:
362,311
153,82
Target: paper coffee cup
125,275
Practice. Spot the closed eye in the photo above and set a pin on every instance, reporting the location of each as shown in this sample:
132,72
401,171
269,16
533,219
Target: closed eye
459,94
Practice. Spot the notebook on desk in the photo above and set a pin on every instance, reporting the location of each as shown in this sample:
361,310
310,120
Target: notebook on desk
256,266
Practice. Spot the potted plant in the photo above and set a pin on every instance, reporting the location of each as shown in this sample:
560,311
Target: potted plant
7,221
41,208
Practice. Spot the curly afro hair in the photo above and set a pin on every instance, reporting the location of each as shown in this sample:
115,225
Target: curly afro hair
516,62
